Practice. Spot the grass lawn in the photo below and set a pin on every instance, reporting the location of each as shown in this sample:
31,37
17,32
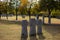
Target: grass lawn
11,30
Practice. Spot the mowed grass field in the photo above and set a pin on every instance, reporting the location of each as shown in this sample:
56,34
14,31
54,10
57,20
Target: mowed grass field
11,29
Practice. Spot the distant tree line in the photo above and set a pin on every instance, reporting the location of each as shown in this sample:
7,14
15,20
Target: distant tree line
44,7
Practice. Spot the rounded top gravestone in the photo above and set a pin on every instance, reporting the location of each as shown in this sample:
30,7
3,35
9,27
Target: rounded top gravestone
24,23
24,28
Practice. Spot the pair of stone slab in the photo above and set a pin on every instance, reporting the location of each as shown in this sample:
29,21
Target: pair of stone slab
32,24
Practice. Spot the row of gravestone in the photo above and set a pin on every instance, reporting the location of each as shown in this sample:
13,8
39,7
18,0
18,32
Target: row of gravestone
32,23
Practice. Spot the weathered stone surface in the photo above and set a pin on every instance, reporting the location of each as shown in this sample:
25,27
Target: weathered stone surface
32,27
39,26
24,28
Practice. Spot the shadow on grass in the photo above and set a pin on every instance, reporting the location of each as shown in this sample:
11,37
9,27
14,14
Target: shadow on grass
23,38
10,22
53,29
39,38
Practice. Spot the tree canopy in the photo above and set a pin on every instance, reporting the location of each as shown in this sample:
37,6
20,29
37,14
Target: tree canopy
49,4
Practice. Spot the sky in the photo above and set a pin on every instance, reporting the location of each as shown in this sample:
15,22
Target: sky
1,0
33,0
5,0
28,0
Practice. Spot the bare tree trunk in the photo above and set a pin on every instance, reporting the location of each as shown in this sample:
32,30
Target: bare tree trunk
29,15
7,16
29,12
0,16
16,13
49,20
43,19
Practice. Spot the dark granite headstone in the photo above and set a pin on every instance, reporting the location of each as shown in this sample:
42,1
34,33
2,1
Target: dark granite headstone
32,27
39,27
24,28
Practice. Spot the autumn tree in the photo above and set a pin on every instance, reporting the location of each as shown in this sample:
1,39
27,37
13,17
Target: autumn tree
48,5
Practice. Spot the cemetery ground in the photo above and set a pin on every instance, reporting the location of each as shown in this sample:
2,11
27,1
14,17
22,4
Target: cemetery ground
11,29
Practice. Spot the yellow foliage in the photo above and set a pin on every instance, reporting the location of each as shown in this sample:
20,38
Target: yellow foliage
24,2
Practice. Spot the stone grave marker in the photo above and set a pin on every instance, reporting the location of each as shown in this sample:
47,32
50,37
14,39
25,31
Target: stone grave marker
32,27
24,28
39,27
